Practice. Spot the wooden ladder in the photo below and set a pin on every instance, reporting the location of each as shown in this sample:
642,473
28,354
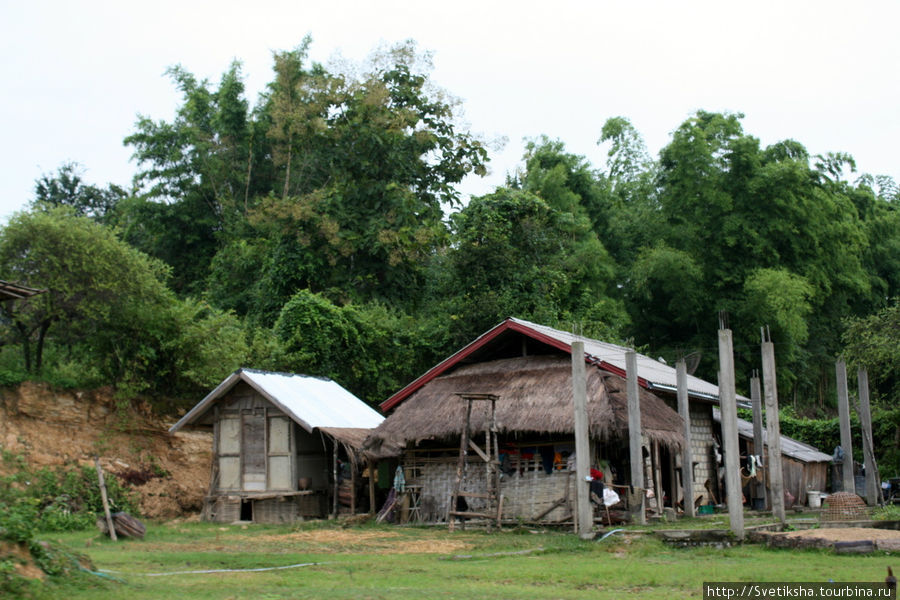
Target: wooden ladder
491,457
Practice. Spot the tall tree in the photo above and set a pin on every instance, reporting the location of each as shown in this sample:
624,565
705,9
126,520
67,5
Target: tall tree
67,188
198,176
515,255
366,182
92,279
748,216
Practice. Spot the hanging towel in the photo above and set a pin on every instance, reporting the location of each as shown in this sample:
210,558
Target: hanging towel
399,480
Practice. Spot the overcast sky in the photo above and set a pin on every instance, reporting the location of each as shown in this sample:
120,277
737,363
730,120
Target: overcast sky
76,73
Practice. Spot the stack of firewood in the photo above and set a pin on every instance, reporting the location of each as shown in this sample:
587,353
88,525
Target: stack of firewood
125,525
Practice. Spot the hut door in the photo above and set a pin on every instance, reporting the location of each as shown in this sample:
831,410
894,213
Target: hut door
254,450
280,469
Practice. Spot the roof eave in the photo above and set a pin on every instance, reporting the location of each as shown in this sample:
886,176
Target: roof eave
211,397
509,324
229,382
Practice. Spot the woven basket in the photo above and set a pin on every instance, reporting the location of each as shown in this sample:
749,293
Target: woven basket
844,506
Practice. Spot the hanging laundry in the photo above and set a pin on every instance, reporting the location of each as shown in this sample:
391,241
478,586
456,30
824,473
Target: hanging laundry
399,480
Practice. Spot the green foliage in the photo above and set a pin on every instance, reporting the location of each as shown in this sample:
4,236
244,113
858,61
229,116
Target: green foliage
66,188
35,501
778,242
60,499
94,282
515,255
344,175
107,315
825,434
874,342
368,349
308,232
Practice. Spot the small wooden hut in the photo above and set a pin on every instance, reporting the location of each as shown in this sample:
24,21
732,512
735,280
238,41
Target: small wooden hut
804,467
285,446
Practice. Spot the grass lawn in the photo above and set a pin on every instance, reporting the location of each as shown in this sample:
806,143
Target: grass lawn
390,562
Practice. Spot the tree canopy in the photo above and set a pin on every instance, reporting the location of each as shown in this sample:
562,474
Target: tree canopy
320,228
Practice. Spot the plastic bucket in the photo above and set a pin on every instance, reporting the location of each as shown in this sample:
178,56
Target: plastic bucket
814,499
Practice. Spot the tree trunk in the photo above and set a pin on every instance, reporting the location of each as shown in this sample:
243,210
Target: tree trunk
26,344
39,350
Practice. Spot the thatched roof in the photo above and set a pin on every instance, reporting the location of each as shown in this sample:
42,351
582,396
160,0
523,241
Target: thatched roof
535,395
352,437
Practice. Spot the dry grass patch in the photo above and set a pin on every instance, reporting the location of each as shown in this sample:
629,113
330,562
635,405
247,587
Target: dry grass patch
377,542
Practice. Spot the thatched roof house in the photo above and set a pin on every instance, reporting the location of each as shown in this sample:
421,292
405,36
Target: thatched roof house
535,397
528,368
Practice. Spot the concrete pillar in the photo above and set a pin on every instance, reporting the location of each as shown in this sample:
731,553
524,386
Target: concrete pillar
773,432
848,482
759,447
728,405
865,420
584,524
638,499
687,455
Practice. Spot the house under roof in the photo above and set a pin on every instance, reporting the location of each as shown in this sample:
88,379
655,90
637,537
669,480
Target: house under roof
285,446
535,395
789,446
311,402
517,334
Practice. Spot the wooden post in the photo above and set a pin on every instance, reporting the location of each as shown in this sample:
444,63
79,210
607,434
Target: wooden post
687,454
773,430
373,473
655,467
759,445
334,467
460,466
105,500
728,406
584,524
865,419
637,498
353,465
848,482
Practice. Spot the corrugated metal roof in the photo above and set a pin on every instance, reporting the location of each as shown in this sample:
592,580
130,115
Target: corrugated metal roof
313,402
658,375
789,446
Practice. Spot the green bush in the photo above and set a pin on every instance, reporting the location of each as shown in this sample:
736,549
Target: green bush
825,434
61,499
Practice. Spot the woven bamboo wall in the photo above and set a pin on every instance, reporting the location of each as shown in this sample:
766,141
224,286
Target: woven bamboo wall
275,510
526,495
227,509
223,509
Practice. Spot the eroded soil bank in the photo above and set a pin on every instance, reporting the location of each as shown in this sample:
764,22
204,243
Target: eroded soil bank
50,427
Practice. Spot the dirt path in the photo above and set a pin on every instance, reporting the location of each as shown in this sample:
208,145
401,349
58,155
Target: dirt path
846,534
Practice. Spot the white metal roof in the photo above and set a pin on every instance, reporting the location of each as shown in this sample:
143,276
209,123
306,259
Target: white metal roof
657,374
789,446
313,402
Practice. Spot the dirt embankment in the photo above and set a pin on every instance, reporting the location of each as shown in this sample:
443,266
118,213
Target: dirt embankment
50,427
